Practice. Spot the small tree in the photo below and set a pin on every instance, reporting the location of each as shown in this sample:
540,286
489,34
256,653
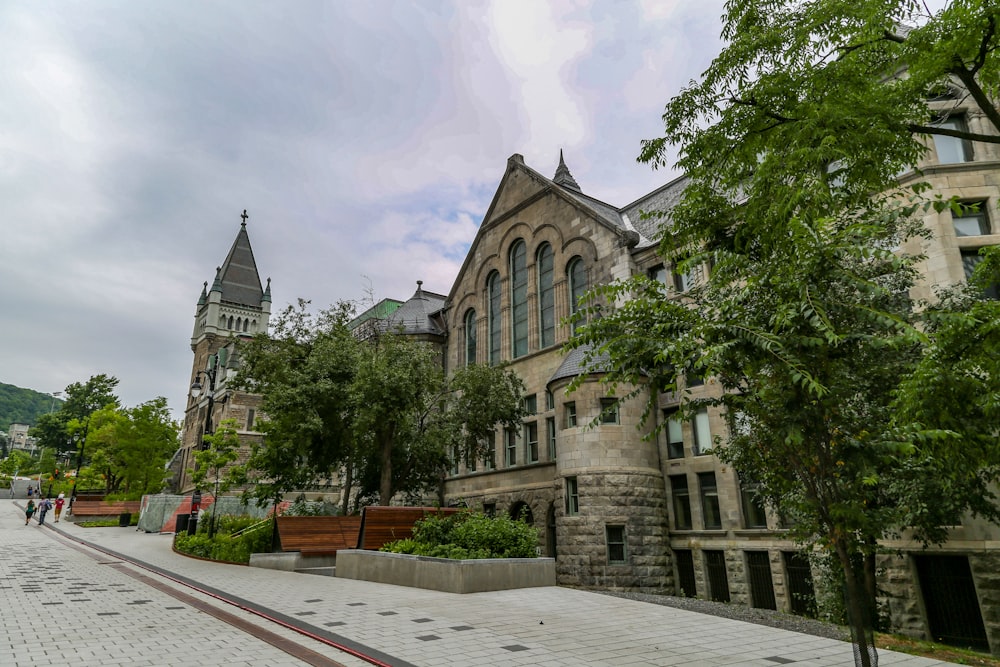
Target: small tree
222,450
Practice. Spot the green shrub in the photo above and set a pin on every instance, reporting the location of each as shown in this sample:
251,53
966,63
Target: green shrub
467,535
224,546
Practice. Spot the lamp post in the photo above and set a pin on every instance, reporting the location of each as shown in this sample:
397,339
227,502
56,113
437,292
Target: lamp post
196,391
79,461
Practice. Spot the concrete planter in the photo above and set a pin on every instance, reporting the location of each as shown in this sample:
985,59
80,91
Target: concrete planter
443,574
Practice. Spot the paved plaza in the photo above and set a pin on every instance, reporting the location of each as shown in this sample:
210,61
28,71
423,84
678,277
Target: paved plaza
114,596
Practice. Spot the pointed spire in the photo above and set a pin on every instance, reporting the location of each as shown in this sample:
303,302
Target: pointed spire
203,299
267,292
217,283
563,177
239,280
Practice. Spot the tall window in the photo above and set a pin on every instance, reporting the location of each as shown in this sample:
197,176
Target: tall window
530,403
952,149
702,433
251,415
615,537
572,497
971,221
753,507
510,447
550,400
519,299
531,442
675,435
490,460
685,281
570,409
493,289
682,501
470,337
710,500
546,296
550,437
577,275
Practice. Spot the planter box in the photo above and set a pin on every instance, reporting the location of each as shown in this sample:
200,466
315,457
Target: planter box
444,574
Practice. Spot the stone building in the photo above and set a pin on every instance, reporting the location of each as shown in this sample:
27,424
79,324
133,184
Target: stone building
235,307
620,509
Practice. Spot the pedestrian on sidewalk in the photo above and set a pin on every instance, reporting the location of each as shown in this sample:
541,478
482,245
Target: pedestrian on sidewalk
28,511
44,506
60,501
31,491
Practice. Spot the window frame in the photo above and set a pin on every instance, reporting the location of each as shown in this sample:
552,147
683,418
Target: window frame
550,437
494,314
530,442
545,261
701,434
469,324
972,210
619,543
569,414
680,500
517,264
577,284
509,447
572,491
675,448
752,506
953,145
610,411
710,500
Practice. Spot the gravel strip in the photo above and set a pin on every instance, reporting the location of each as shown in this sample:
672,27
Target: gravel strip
774,619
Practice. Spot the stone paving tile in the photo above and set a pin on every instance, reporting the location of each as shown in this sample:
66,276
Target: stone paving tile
557,626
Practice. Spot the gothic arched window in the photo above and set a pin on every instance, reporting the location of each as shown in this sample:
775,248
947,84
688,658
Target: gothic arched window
470,337
519,299
546,296
493,292
576,274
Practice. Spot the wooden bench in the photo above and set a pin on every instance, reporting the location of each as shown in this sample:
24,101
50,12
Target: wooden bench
381,525
318,535
103,508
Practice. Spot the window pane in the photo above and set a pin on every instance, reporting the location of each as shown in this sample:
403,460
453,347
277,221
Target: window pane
531,404
753,507
675,436
609,411
470,337
682,501
510,447
577,285
952,149
550,432
971,222
570,409
702,433
531,442
546,296
519,299
572,496
969,260
710,500
494,294
615,536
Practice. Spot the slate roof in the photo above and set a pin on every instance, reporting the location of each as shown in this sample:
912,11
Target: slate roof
573,364
237,277
414,316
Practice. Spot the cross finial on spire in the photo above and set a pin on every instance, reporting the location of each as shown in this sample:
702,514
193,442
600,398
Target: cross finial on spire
244,216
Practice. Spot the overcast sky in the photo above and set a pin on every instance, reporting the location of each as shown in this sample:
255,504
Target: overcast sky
365,139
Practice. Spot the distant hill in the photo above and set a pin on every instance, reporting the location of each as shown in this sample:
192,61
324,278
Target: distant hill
23,406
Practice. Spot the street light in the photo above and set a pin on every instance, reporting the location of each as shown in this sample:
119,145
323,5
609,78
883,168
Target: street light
196,391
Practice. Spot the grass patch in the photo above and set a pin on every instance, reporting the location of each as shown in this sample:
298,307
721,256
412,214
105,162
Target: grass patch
959,656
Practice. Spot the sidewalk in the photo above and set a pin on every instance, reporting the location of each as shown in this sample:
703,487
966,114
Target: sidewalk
103,616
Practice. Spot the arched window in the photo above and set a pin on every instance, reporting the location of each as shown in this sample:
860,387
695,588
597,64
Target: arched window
230,322
493,290
546,297
246,325
519,299
577,278
239,323
470,337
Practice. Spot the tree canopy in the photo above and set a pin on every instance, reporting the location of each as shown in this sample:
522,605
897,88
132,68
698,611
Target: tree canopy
792,143
380,414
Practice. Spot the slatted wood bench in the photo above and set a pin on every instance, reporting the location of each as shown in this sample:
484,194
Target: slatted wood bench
381,525
318,535
103,508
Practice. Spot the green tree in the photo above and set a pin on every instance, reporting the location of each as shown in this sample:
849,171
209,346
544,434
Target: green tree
15,462
211,462
805,320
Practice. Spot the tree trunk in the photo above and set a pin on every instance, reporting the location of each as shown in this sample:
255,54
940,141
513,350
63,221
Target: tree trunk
385,480
345,490
859,609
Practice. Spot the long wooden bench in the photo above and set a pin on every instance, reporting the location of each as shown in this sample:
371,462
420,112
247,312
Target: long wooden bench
381,525
318,535
95,508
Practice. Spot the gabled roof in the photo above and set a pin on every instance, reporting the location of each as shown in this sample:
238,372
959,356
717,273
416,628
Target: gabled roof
237,277
574,364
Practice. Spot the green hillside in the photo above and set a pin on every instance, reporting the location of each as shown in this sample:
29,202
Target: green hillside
23,406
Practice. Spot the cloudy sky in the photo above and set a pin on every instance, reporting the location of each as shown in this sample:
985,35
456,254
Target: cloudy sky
365,139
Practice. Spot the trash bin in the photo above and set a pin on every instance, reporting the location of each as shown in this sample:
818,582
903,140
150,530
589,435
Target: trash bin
124,519
182,523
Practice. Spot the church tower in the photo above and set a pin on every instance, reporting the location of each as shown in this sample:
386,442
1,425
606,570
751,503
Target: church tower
235,307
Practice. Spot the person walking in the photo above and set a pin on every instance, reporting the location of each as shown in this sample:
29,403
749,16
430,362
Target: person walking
43,507
60,501
31,492
28,511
